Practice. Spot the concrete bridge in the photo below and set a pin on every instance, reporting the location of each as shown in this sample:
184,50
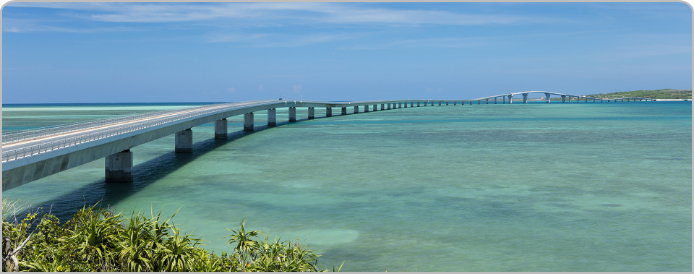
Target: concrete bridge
34,154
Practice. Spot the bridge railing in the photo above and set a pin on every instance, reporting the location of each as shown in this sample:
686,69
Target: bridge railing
36,149
31,134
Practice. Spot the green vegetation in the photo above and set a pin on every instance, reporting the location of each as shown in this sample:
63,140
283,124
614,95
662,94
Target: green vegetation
653,94
96,239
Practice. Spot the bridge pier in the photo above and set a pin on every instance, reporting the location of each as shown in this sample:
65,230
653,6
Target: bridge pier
356,109
376,107
525,98
220,129
271,117
446,103
388,106
495,100
184,141
119,166
383,107
487,101
411,104
504,98
344,111
400,105
417,104
292,114
248,124
311,113
478,102
510,98
455,102
328,112
563,98
366,108
547,96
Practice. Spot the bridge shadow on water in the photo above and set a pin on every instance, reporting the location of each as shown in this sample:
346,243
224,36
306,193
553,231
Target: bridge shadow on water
144,175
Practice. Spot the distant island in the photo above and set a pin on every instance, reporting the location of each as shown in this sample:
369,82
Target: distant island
653,94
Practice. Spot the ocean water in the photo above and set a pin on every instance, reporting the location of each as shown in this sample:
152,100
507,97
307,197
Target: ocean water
534,187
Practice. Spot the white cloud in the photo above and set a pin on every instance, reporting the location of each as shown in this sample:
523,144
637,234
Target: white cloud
231,90
311,13
235,37
261,88
297,88
31,25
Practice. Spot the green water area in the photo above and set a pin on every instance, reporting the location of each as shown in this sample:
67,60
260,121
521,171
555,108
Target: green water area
498,187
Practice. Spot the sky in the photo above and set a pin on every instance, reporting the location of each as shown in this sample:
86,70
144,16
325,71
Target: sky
92,52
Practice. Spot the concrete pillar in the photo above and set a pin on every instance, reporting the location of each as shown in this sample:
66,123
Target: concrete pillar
495,100
525,98
344,111
400,105
504,97
547,96
328,112
405,105
184,141
383,107
411,104
487,101
119,167
220,129
292,114
478,102
563,98
510,98
356,109
446,103
271,117
455,102
311,113
366,108
248,122
375,107
417,104
585,100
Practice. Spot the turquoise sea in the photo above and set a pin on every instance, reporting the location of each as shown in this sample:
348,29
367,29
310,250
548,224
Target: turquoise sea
534,187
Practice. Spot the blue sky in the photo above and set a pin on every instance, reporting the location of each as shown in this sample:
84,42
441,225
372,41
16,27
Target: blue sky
223,52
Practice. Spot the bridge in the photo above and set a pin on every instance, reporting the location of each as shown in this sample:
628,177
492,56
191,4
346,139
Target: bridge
33,154
563,96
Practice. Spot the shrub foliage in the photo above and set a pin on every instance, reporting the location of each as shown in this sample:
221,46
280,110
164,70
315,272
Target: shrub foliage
96,239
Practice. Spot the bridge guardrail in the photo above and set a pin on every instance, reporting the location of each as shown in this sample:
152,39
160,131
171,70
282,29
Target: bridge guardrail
30,134
20,153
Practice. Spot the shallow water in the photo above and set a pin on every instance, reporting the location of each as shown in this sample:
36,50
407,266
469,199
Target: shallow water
535,187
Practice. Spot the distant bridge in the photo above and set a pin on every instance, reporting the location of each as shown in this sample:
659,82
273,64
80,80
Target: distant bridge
563,96
33,154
